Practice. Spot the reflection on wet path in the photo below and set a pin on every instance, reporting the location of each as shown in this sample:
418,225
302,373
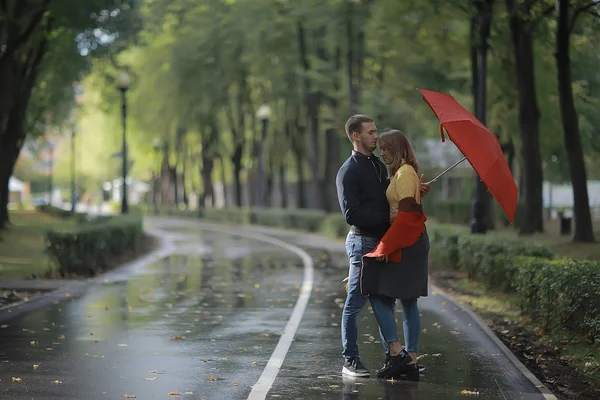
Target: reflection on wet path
202,325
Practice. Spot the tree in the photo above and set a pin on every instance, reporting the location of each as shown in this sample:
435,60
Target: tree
29,31
522,24
584,231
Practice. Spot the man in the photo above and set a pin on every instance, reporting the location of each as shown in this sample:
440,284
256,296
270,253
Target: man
361,184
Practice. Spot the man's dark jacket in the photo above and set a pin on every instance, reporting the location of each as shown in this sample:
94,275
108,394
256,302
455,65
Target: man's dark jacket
361,184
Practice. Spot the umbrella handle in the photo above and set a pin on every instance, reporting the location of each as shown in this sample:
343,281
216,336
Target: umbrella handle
446,170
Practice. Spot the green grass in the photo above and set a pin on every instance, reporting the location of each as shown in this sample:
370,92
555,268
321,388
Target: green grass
560,245
501,311
22,245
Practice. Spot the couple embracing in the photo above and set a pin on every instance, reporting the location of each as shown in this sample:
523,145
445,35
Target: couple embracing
387,245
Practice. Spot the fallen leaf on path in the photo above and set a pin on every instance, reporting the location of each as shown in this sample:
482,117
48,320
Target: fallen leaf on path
106,308
313,355
235,383
153,371
212,378
129,396
255,363
57,381
152,379
174,393
62,337
177,337
17,379
36,366
469,392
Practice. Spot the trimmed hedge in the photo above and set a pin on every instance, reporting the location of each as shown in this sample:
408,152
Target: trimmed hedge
561,293
92,247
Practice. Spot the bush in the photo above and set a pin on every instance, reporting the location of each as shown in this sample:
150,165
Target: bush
488,258
334,225
444,244
92,247
560,293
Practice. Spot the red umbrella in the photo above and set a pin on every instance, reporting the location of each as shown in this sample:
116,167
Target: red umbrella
479,145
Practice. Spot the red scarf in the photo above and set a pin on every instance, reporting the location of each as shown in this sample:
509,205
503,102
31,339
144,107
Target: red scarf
405,231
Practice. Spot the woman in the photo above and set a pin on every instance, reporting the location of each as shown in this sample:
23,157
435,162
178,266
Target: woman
402,255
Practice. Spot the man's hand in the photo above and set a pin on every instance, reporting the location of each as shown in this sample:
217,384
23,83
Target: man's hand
393,215
424,186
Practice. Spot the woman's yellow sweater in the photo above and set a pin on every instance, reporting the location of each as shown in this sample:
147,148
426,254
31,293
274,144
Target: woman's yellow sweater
404,183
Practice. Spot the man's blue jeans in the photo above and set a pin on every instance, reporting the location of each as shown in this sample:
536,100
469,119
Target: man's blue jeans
383,307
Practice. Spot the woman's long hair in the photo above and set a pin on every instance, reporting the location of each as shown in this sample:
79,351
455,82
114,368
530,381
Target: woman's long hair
398,146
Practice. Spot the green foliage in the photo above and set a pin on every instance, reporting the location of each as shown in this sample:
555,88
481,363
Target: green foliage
560,293
92,247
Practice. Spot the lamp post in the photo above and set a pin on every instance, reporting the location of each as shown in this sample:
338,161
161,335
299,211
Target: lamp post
263,113
123,86
155,176
484,19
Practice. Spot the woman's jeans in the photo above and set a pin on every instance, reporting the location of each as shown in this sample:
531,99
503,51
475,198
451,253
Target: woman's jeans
383,307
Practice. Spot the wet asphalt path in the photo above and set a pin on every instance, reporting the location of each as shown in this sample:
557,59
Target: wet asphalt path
203,323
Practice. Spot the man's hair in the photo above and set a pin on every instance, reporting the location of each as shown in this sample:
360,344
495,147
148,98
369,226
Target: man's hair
354,124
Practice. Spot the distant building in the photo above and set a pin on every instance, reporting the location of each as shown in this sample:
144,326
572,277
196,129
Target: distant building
136,190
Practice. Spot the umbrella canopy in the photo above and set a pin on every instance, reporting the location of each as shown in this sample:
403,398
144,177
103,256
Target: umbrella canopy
479,145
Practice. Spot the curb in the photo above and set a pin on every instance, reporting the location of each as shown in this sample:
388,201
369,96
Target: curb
547,393
77,288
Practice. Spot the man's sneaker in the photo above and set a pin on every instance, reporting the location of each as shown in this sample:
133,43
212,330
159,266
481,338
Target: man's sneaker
354,367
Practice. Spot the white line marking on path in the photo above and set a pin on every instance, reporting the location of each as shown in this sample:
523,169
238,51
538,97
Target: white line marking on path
261,388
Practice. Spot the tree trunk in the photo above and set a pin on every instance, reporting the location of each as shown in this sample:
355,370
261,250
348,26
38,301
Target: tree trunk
332,163
529,118
350,62
207,182
18,75
584,231
164,175
174,189
236,159
474,64
301,191
283,185
224,180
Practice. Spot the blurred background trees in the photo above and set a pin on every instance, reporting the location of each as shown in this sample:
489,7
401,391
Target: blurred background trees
243,103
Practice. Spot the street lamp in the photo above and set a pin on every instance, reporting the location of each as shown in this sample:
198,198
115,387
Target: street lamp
123,85
484,19
156,146
263,114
